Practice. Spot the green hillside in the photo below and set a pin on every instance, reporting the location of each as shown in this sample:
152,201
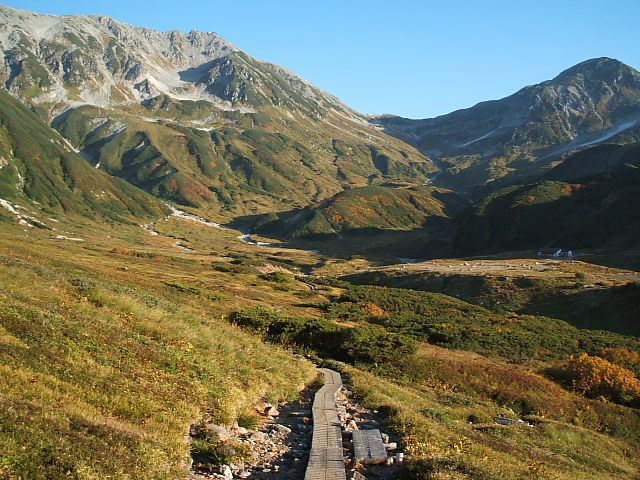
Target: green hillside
389,219
39,168
586,296
596,212
227,162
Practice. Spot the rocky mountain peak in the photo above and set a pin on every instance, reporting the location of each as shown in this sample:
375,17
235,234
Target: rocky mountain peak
503,141
602,68
61,61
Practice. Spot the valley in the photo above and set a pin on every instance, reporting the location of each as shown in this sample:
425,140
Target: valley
189,236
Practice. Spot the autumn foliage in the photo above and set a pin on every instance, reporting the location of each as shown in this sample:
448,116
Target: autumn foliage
620,356
595,377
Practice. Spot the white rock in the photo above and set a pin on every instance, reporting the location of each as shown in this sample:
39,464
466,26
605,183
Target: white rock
225,471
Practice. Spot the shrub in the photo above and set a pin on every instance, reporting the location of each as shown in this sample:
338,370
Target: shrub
247,420
233,267
183,288
620,356
373,344
278,277
596,377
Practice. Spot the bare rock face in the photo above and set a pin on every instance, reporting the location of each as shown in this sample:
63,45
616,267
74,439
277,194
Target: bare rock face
72,59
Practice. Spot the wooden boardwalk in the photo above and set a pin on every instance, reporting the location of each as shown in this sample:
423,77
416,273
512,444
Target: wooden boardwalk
368,447
326,459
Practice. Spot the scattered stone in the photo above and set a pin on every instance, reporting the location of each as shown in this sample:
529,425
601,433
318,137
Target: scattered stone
271,411
351,425
217,433
281,429
259,437
356,475
225,451
225,471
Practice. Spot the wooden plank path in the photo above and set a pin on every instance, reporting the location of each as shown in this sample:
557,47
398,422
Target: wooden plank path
326,459
368,447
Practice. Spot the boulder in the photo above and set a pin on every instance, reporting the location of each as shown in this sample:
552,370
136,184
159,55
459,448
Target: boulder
216,433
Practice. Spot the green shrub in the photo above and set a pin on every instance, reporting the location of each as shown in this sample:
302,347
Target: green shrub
247,420
278,277
184,288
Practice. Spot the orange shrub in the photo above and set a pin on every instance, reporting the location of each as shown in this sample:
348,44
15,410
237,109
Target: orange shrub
594,377
620,356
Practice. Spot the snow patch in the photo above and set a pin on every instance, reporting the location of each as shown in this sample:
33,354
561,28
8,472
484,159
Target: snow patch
20,184
64,237
8,206
609,134
486,135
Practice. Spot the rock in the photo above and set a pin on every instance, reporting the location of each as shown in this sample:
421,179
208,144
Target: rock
385,437
225,451
357,476
241,430
271,411
225,471
281,429
259,437
216,433
244,474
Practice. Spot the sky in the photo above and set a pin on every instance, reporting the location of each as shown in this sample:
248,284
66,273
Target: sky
413,58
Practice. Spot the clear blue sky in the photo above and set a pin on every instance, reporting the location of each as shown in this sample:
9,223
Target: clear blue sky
412,58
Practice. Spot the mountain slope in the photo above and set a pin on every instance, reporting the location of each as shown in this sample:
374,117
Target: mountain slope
374,207
38,167
520,136
401,220
191,118
591,212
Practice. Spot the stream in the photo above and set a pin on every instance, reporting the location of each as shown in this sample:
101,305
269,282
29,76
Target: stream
245,237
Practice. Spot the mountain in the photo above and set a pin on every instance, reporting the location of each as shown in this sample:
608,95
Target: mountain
598,211
40,171
397,207
191,118
501,142
393,219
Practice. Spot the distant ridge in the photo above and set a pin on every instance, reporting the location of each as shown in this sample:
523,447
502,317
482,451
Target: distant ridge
515,139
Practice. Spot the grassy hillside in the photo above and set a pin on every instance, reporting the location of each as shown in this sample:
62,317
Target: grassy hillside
585,295
117,344
443,402
449,432
390,219
229,163
105,368
38,168
598,212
